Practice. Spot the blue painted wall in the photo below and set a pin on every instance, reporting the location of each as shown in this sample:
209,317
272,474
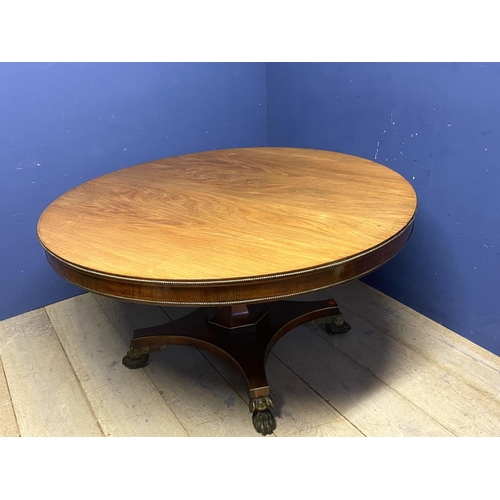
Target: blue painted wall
436,124
439,126
63,124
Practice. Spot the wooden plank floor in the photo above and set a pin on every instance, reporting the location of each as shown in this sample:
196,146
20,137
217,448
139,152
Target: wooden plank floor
396,373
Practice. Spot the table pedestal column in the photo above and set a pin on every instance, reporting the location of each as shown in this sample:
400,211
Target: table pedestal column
242,334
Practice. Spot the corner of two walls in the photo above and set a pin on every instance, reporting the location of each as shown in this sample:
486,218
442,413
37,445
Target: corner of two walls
437,125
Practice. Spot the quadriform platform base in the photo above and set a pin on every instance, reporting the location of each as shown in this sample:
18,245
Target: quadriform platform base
242,334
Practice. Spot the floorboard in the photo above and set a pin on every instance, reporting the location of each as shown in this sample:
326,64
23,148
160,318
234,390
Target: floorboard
125,402
365,401
467,361
198,395
462,409
396,373
297,408
8,422
46,394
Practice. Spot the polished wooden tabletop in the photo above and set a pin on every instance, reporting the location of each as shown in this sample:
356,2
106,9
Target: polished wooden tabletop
219,218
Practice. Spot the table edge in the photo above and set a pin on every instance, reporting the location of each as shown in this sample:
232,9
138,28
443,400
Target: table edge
263,288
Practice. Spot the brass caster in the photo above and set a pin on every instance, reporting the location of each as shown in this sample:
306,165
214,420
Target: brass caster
263,422
337,325
134,363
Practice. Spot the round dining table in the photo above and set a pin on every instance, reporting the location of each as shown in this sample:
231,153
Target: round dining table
235,233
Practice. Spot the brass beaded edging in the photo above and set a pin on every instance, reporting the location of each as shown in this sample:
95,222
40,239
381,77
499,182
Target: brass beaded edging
247,301
91,272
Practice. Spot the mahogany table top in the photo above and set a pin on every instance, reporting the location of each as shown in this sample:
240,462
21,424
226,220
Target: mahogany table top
229,226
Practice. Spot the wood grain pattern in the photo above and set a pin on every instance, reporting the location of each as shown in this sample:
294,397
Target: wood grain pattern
463,410
298,219
199,397
345,398
125,402
46,394
8,422
299,411
471,363
373,407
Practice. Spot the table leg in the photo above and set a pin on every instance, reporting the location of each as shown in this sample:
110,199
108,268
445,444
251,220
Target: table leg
244,335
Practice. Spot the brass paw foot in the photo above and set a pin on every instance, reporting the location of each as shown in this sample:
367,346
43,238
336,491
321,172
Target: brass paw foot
337,325
134,359
263,422
262,418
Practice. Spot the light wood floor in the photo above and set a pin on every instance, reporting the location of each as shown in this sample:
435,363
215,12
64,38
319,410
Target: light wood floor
396,373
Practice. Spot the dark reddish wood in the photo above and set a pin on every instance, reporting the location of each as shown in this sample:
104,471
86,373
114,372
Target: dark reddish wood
265,289
247,353
239,319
